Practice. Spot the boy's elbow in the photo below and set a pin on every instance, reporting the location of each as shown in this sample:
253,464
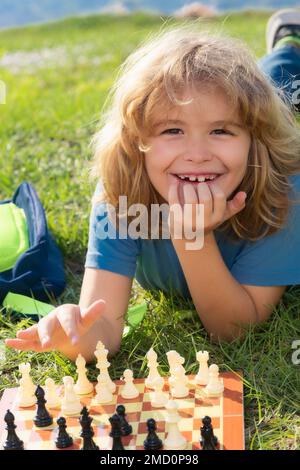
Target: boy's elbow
227,335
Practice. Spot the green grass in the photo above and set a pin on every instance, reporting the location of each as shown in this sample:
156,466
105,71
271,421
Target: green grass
47,122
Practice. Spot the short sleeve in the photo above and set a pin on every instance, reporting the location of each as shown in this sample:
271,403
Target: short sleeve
275,259
105,249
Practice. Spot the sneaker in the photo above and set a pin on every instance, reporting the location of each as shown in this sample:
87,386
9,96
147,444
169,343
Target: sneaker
282,24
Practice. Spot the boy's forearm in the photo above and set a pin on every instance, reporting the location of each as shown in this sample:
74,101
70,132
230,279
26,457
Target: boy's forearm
222,303
102,331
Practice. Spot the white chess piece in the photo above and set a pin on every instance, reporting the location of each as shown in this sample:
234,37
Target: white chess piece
158,397
175,360
202,376
129,390
178,382
103,393
26,391
215,386
70,404
51,395
103,365
83,386
153,365
174,439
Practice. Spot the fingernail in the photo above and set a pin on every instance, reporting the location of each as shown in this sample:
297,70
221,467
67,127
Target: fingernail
75,339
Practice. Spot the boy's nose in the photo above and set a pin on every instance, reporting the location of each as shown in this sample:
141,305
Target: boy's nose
198,151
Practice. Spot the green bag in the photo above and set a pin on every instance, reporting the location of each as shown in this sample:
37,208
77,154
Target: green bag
14,239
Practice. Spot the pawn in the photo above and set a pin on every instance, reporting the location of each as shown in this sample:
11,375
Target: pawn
178,382
116,432
103,393
208,441
70,403
63,440
215,387
12,441
42,418
52,398
87,432
152,442
158,397
129,390
126,428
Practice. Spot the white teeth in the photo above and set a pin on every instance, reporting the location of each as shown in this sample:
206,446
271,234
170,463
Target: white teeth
200,179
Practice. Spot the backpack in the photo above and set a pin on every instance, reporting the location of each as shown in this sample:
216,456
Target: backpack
33,263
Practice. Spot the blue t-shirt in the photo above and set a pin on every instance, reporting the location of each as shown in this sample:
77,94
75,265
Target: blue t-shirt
273,260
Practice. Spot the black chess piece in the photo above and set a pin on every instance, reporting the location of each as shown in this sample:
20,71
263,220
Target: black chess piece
64,439
116,432
42,418
209,441
126,428
12,441
152,442
87,432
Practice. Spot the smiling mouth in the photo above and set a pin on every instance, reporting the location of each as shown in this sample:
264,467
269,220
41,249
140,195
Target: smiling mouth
195,180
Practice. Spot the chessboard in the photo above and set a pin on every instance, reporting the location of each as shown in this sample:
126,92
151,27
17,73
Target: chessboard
226,412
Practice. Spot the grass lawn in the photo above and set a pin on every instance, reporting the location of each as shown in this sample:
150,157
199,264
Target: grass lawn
57,77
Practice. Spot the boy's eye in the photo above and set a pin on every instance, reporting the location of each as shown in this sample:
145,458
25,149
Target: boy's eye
171,131
222,131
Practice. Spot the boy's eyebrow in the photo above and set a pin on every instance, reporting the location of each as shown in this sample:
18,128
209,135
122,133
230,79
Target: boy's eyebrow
178,122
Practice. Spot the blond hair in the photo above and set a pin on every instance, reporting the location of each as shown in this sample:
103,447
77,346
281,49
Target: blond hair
150,79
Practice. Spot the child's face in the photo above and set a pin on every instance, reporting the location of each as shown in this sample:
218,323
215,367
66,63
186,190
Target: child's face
198,144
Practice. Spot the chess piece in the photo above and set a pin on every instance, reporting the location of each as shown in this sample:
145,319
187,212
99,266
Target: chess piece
42,418
208,441
87,432
129,390
103,393
13,442
178,383
103,365
215,386
152,365
116,432
63,440
202,375
70,405
175,360
152,442
126,428
83,386
158,397
26,391
51,395
174,439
